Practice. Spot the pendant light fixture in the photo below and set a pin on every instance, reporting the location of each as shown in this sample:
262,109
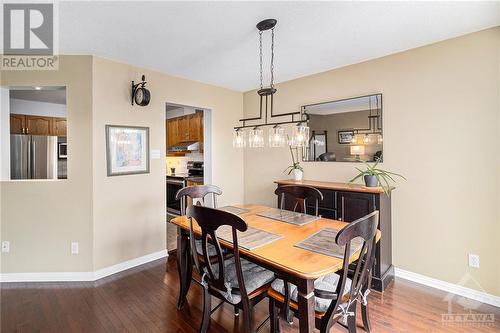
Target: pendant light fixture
276,136
256,138
300,136
239,140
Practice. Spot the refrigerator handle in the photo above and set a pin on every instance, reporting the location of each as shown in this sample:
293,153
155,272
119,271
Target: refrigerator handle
29,159
33,150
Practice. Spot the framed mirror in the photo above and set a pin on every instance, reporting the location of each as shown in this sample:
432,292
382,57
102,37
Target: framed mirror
347,130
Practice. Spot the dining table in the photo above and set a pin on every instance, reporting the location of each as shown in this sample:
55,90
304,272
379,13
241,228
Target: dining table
297,265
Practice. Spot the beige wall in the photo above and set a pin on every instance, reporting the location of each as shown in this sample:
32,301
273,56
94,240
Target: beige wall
41,218
449,205
113,218
129,211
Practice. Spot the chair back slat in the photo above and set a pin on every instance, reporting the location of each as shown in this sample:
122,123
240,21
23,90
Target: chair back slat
210,220
366,229
300,195
197,192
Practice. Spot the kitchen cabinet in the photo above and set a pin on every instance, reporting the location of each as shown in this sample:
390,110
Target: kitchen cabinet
185,128
59,126
37,125
17,123
348,203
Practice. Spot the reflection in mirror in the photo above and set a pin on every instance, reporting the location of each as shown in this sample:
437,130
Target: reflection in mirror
38,139
346,130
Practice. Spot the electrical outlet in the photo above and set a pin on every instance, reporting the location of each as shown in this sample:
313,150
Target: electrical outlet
6,246
74,248
474,260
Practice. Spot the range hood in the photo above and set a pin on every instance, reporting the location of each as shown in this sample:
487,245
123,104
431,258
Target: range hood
185,146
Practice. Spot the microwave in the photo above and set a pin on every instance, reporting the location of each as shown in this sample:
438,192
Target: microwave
62,150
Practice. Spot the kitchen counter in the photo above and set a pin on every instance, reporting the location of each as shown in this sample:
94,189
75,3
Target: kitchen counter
187,177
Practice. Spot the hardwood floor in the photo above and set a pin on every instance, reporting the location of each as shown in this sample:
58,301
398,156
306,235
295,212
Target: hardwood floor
144,299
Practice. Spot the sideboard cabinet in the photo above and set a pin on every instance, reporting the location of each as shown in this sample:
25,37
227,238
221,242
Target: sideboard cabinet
348,203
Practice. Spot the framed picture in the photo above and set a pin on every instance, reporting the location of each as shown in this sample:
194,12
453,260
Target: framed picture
127,150
345,136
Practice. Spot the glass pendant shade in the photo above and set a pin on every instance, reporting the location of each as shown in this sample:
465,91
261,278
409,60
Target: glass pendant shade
379,139
239,139
366,139
300,136
256,138
276,137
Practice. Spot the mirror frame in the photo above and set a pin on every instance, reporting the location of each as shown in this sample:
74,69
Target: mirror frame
304,111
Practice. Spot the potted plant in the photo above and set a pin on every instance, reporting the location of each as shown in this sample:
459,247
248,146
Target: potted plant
374,176
295,168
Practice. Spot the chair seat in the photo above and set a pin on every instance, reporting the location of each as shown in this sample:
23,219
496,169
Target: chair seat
255,277
328,283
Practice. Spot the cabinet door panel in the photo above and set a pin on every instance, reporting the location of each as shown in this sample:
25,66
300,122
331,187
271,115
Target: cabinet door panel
172,132
354,205
183,126
17,123
39,125
59,127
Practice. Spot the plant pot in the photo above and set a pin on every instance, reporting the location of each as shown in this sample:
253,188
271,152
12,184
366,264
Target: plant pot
371,181
297,175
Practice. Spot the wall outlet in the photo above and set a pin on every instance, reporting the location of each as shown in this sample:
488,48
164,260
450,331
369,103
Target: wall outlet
6,246
74,248
474,260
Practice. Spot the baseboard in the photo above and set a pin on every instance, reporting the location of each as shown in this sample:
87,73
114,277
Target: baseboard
82,276
456,289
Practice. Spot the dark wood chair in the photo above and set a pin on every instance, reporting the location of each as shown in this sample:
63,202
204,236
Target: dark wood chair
236,281
335,294
198,192
299,195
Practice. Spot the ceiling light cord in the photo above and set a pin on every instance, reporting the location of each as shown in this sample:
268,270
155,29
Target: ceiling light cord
260,54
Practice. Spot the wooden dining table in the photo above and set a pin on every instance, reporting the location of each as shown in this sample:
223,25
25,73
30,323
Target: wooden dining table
299,266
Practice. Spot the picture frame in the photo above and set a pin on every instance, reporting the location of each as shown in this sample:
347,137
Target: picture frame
345,136
127,150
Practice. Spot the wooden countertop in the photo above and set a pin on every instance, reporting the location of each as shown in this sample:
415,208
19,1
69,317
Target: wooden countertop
333,186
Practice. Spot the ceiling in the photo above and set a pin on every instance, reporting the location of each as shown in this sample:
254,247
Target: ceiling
217,42
57,96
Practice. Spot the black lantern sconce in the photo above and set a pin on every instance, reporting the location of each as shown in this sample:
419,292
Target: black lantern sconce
140,94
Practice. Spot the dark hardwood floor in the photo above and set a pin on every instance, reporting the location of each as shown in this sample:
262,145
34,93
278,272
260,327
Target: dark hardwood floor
144,299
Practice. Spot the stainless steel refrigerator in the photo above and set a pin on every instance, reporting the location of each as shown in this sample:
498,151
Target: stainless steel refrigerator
33,156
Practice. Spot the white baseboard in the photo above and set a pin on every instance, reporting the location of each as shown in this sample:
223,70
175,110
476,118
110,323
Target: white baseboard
82,276
452,288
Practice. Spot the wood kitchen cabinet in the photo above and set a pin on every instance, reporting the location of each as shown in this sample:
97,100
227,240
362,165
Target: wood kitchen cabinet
185,128
59,126
348,203
17,123
37,125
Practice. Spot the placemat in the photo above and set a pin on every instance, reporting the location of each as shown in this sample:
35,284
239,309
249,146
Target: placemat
234,210
324,242
250,239
288,216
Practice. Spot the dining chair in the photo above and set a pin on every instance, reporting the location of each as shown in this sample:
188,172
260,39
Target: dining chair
235,280
299,195
335,294
198,193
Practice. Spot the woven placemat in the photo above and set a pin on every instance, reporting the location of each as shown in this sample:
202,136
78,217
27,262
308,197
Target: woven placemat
288,216
250,239
324,242
234,210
